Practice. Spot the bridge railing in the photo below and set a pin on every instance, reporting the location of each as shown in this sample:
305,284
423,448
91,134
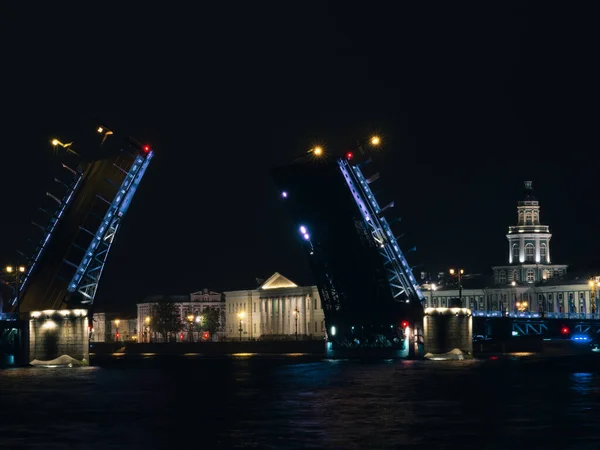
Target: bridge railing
536,315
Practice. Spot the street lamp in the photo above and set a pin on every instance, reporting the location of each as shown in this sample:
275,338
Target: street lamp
17,271
241,315
117,322
593,284
147,322
105,132
521,306
296,313
190,319
459,273
432,287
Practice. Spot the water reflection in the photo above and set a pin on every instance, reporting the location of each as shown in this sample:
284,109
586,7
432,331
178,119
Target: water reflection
290,402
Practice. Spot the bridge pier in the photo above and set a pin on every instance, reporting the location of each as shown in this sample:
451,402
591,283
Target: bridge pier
59,338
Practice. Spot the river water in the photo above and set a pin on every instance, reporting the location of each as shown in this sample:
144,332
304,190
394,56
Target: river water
293,402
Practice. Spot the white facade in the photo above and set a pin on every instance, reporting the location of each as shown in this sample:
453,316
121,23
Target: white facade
560,298
277,309
529,283
192,304
528,246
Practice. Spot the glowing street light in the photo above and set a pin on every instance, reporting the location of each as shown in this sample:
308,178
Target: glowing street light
317,151
241,315
375,140
432,287
104,131
459,273
296,314
147,323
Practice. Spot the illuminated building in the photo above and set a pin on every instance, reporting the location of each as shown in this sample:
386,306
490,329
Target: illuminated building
272,311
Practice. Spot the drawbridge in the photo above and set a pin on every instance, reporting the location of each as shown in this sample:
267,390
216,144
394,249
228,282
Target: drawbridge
370,297
95,182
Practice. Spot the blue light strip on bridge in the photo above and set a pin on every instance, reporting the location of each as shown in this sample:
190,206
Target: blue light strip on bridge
369,208
115,211
54,221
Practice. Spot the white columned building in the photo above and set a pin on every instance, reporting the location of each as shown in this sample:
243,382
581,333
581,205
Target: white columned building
274,310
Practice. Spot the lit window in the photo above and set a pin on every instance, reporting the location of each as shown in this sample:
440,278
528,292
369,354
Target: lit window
530,275
529,251
543,251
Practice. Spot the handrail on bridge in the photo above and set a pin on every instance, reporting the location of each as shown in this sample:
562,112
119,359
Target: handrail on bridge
536,315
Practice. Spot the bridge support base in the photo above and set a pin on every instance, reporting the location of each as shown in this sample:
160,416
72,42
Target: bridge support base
59,338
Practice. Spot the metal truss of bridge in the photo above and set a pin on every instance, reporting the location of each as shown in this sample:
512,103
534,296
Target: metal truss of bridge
93,188
369,295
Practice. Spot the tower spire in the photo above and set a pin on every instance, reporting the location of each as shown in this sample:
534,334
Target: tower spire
529,191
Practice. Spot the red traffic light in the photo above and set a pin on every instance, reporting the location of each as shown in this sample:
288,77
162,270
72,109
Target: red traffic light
118,335
205,335
181,336
349,156
146,148
404,324
564,330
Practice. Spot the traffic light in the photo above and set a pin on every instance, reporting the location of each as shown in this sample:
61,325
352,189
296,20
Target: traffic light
205,335
181,336
146,149
404,324
118,335
349,156
564,330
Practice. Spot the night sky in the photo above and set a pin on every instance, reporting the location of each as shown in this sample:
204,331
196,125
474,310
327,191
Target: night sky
470,98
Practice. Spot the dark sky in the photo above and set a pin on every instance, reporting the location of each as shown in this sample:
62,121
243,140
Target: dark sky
471,99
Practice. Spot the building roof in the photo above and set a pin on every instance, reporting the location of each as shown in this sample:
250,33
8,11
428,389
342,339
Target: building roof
277,281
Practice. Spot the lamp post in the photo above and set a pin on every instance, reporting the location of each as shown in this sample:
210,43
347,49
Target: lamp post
458,273
17,271
117,322
513,284
432,287
190,319
296,313
147,323
593,284
199,320
241,318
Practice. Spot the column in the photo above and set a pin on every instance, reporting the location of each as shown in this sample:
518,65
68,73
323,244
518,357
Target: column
510,255
548,251
537,251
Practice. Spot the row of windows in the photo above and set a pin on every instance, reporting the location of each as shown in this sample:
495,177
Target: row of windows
529,217
529,251
513,275
263,306
550,302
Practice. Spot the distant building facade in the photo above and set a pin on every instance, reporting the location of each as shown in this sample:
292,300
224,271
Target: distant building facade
529,283
192,304
109,327
277,309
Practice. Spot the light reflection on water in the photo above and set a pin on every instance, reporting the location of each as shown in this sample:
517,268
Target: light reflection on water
291,402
